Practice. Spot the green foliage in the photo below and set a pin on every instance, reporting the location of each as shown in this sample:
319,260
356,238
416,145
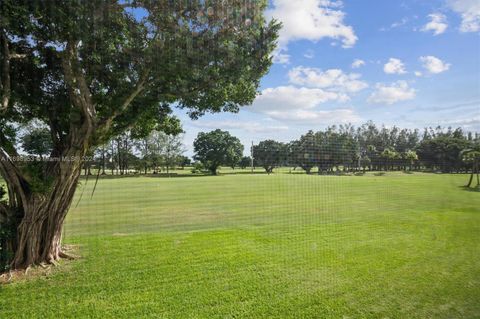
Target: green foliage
37,141
184,161
217,148
269,154
245,162
442,151
197,168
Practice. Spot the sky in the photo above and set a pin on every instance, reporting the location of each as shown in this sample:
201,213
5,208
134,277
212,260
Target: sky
411,63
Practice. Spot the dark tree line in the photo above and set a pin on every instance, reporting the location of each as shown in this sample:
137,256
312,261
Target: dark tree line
345,148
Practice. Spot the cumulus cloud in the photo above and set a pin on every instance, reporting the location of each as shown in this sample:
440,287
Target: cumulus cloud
333,80
357,63
293,98
394,66
310,20
470,13
438,24
391,94
434,65
300,105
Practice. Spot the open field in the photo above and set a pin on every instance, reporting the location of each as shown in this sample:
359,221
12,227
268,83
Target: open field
257,246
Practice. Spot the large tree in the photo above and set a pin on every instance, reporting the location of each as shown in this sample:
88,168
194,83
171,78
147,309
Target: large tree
90,70
270,154
217,148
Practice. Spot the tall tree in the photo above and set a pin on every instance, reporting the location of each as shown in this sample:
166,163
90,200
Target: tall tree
90,70
166,148
217,148
303,152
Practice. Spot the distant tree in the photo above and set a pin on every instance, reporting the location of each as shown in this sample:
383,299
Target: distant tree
471,157
166,149
364,162
245,162
390,156
269,154
184,161
410,157
37,141
217,148
303,152
441,150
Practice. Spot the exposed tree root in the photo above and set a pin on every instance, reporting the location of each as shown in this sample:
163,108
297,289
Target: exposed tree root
44,269
67,256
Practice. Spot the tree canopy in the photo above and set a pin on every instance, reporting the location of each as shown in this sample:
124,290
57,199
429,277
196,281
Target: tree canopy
217,148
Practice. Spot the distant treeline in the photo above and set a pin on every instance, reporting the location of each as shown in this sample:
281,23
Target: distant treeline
369,147
343,148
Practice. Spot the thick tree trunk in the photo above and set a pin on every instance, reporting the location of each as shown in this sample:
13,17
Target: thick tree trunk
39,233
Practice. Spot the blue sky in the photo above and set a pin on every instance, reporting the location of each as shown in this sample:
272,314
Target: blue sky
407,63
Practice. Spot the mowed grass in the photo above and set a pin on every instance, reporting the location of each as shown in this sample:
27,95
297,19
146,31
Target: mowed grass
258,246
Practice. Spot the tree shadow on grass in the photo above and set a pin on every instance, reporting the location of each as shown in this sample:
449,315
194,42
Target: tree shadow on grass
470,189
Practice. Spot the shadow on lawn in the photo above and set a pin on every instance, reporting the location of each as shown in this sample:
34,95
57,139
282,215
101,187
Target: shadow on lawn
470,189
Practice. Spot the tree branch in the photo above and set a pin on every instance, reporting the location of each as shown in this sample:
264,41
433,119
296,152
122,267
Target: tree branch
128,100
77,85
13,177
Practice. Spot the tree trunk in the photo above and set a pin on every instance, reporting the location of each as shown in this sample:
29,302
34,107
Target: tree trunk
39,232
471,179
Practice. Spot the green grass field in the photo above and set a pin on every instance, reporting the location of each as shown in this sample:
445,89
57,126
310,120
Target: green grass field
258,246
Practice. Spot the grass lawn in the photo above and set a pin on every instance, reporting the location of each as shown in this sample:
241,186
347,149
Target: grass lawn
258,246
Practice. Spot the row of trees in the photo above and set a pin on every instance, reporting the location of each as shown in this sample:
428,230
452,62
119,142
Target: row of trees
368,147
155,152
337,148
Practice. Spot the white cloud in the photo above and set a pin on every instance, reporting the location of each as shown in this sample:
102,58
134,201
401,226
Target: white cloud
390,94
299,105
357,63
394,66
248,126
434,65
418,73
280,58
333,80
293,98
309,54
311,20
399,23
470,12
438,24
